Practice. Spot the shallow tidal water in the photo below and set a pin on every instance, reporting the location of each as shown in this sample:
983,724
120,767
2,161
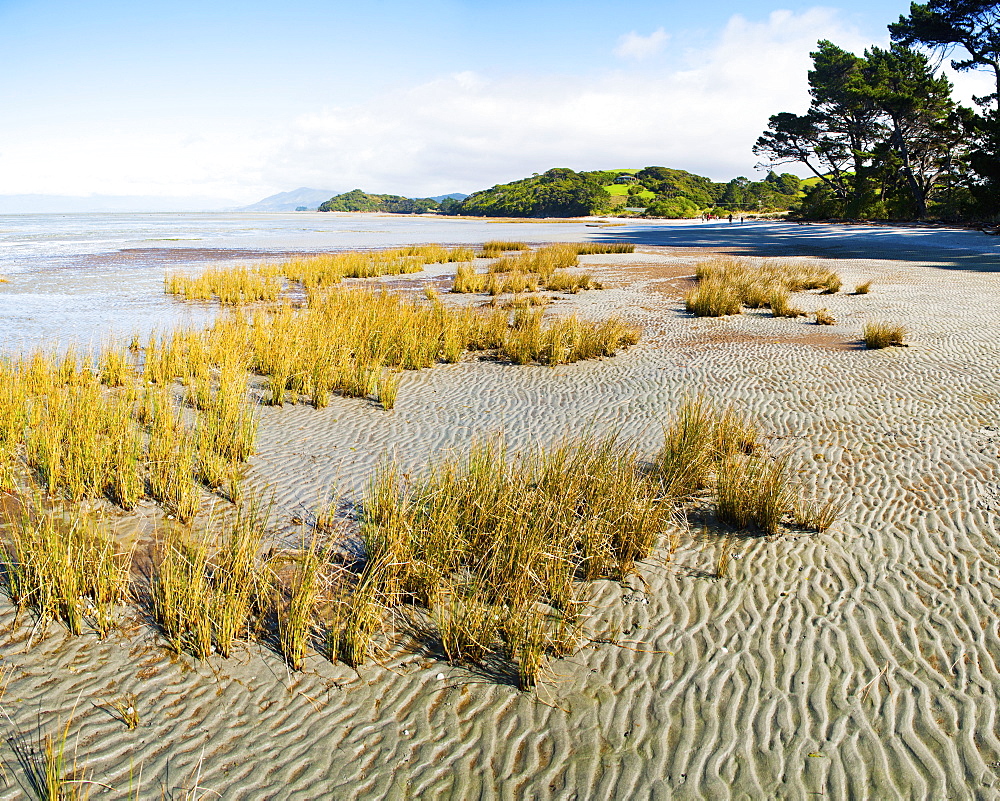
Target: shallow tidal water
85,279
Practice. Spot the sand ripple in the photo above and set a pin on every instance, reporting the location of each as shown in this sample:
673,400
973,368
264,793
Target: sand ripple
860,663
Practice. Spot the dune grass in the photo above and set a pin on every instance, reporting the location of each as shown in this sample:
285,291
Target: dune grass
697,438
753,491
713,299
493,544
63,565
528,271
880,334
495,246
264,282
490,552
592,248
727,284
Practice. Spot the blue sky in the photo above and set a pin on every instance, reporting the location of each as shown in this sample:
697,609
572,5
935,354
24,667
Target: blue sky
238,100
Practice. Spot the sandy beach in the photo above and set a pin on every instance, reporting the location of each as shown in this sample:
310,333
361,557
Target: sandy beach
860,662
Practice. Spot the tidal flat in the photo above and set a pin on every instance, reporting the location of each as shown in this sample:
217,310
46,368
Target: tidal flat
855,662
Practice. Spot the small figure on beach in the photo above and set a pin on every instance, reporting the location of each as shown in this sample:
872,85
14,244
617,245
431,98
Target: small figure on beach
730,219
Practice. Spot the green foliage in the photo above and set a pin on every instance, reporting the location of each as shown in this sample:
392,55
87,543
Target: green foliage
882,134
356,200
970,29
675,208
559,192
670,183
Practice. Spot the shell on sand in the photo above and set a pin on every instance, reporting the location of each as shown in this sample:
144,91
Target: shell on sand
857,663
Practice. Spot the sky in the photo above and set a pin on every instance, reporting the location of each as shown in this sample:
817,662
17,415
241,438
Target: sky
238,100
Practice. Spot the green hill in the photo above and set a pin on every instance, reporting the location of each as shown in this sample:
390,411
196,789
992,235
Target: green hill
356,200
559,192
661,191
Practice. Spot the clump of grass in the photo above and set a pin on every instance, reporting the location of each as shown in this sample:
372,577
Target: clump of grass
297,603
753,491
863,289
125,710
883,335
725,283
713,299
358,611
487,540
697,439
526,271
181,593
571,282
468,627
591,248
388,388
49,775
64,565
204,592
781,304
114,368
495,246
231,285
467,280
832,284
814,516
824,317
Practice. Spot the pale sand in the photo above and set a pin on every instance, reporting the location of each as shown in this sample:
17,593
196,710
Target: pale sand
858,663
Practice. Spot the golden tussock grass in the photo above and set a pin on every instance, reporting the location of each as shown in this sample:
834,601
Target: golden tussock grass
592,248
495,246
824,317
726,284
753,491
863,289
264,282
527,270
63,564
699,436
493,544
713,298
883,335
493,549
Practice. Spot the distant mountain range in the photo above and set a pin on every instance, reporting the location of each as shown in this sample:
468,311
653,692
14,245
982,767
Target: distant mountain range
301,198
76,204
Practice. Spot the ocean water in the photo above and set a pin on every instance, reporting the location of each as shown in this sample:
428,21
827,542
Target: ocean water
84,279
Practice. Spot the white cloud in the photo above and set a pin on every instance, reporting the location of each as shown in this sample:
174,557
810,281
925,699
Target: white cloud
461,132
633,45
466,132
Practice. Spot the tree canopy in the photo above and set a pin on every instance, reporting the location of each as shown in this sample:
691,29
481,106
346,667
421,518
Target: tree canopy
970,30
356,200
559,192
879,133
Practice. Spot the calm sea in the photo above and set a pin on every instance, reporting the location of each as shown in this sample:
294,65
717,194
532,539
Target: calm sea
83,279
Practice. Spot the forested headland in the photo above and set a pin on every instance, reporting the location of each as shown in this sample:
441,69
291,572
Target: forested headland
356,200
562,192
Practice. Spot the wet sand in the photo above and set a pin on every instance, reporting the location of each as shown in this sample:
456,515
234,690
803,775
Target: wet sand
857,663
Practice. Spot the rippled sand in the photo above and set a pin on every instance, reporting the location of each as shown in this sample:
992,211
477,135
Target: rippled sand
858,663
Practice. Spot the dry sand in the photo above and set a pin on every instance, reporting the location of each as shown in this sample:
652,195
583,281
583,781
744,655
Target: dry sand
858,663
